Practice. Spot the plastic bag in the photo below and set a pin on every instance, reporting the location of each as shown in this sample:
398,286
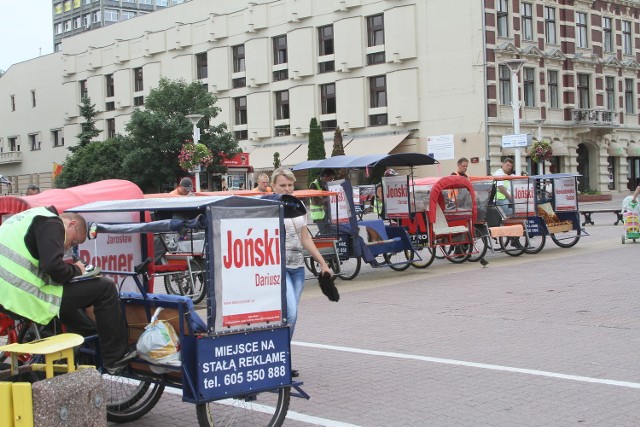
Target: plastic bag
159,344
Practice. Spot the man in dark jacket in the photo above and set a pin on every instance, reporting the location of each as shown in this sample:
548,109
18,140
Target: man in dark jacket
38,284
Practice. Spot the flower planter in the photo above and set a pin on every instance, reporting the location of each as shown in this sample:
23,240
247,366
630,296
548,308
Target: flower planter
594,197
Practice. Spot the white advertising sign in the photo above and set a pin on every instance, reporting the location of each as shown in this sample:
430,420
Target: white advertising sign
565,194
440,147
250,271
523,197
396,196
517,140
344,213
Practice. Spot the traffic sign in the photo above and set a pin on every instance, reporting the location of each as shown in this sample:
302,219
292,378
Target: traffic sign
517,140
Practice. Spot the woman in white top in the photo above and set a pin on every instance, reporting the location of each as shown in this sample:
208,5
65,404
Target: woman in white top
297,238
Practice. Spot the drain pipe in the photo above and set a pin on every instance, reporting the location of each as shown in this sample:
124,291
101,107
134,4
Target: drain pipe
486,93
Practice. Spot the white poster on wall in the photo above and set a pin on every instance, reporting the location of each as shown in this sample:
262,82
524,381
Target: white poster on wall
440,147
564,190
396,196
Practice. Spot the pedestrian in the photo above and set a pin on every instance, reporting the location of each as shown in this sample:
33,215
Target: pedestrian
321,206
461,169
503,193
32,190
297,239
263,184
184,188
36,283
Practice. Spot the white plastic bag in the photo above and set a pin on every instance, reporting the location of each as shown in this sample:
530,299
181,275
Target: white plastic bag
159,344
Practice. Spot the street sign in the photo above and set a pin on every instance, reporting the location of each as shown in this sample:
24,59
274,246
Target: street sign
517,140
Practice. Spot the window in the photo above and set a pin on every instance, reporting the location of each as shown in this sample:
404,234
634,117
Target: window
627,47
550,24
328,98
86,20
146,2
280,75
67,26
504,75
503,18
162,3
528,81
110,85
57,47
110,15
201,66
238,58
34,143
77,23
325,67
378,91
282,130
33,98
378,120
138,80
527,21
56,138
13,144
138,101
96,16
282,105
59,28
553,95
628,96
328,125
83,89
280,50
325,40
239,82
13,103
109,106
375,58
584,100
375,30
607,34
610,93
126,14
111,128
581,30
241,134
241,110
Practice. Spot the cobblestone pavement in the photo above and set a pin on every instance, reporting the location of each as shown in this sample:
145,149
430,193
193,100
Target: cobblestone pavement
538,340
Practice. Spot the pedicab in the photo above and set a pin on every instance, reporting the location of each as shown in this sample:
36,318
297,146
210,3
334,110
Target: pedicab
235,364
375,242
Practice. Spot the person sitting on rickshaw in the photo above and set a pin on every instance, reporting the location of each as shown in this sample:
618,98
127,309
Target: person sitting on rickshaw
503,193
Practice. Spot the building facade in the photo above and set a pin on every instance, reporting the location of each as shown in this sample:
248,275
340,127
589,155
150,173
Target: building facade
393,74
72,17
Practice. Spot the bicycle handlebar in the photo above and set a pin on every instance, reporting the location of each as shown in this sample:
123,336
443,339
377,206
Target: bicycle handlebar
142,268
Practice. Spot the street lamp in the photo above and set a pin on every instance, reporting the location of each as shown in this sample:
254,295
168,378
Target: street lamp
539,122
194,119
514,66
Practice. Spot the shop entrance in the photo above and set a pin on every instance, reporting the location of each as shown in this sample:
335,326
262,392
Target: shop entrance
583,167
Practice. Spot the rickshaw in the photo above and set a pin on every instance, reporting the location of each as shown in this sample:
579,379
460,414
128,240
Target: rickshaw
377,243
235,364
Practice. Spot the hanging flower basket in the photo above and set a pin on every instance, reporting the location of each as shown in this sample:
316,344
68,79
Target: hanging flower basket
194,155
540,151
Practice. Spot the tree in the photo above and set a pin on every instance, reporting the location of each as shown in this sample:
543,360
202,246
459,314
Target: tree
88,128
338,148
94,162
158,132
276,160
316,142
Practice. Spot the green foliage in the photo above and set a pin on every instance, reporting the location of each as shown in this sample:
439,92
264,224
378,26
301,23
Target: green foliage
276,160
316,148
88,128
338,148
94,162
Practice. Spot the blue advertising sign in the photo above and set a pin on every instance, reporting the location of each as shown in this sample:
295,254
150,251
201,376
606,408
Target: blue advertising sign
238,364
534,228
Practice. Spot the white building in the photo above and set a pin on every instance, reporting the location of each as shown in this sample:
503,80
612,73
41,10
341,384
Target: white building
391,73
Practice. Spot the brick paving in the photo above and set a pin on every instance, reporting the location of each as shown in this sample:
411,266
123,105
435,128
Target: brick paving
563,311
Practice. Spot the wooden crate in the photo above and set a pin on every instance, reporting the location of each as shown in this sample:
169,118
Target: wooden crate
559,228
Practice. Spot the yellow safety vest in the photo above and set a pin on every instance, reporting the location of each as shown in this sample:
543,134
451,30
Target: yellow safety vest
25,289
317,211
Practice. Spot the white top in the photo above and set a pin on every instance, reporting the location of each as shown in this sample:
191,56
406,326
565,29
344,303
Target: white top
293,245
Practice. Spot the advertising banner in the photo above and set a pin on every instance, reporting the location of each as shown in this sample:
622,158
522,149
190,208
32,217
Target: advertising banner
234,364
523,197
250,270
344,210
565,194
396,196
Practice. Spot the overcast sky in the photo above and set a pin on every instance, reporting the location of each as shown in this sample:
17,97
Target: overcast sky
27,30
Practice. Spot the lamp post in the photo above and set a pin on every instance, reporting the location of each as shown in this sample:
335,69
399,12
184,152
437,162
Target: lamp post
194,119
539,122
514,66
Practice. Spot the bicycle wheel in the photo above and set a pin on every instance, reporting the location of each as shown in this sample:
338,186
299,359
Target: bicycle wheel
402,260
566,239
179,283
514,246
536,243
459,253
480,245
264,409
349,268
128,399
427,254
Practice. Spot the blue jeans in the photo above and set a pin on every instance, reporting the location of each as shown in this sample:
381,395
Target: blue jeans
505,205
294,280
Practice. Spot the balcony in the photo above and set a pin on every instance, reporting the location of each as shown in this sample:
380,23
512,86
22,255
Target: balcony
11,157
595,117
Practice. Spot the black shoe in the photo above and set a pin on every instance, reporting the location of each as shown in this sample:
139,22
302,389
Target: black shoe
295,373
118,366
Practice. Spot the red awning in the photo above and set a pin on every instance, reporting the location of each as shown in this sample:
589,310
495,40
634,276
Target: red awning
63,199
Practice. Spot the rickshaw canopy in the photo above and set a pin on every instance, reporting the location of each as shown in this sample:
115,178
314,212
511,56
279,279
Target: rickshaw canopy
439,185
368,161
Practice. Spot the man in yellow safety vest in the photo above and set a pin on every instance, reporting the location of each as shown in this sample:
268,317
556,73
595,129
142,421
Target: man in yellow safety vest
321,206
